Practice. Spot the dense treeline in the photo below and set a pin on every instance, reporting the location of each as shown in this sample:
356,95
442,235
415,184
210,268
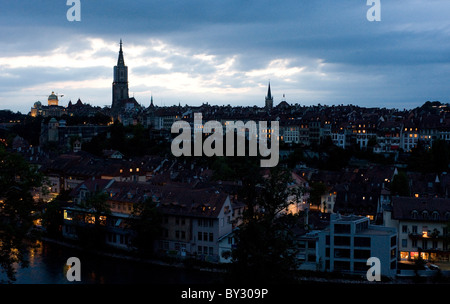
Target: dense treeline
130,141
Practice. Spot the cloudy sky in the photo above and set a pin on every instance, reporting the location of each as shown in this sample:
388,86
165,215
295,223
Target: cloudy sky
226,51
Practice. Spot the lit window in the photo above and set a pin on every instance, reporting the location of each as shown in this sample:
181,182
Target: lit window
67,216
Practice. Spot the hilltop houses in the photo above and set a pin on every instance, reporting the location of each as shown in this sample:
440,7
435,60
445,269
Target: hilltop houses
347,213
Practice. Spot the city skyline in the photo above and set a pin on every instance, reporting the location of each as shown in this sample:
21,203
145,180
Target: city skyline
327,53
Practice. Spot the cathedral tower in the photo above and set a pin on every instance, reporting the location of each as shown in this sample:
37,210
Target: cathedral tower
120,84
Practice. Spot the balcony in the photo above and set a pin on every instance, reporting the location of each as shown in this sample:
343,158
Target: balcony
428,234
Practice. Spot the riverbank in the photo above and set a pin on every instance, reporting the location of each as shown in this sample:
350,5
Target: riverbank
111,266
47,265
130,256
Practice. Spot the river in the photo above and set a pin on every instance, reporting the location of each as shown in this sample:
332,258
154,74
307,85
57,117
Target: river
48,266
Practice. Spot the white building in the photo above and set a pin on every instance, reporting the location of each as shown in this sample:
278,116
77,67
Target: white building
351,240
422,225
409,138
291,133
338,139
327,201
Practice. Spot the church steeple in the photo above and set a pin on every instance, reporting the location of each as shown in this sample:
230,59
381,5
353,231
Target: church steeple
120,82
269,99
151,102
120,60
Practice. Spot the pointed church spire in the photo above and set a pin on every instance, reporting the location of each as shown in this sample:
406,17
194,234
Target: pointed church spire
120,82
151,102
120,60
269,93
269,99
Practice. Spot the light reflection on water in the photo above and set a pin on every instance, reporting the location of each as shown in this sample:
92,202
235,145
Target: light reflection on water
47,265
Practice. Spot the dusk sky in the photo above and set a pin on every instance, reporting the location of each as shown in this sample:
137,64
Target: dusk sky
225,52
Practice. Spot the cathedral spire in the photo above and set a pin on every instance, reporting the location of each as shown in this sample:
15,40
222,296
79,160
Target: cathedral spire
120,60
120,82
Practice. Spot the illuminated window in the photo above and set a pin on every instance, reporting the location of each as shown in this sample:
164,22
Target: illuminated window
90,219
404,255
67,215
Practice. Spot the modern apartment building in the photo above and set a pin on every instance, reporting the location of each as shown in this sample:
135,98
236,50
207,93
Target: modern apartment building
350,241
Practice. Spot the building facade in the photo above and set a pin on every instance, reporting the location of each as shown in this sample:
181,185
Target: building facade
193,220
422,225
351,240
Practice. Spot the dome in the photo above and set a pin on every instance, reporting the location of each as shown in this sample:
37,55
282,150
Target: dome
52,96
37,104
53,99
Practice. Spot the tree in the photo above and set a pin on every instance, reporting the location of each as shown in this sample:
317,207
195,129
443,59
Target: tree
146,224
52,217
440,155
295,157
266,248
400,184
91,228
419,159
17,210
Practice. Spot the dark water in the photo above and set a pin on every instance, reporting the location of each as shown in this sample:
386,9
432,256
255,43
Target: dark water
48,266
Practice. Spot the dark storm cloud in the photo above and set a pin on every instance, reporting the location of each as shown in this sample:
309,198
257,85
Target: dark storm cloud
342,57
